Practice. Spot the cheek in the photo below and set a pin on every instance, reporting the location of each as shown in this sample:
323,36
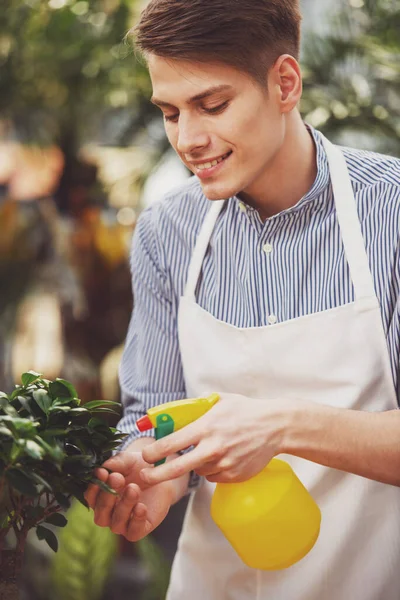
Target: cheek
172,135
248,130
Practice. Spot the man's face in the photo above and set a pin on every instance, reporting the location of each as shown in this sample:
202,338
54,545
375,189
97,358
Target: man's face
224,126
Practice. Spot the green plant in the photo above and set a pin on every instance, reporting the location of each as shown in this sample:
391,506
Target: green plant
81,567
49,447
352,74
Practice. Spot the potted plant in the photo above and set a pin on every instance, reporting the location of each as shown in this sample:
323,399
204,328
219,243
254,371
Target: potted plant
49,447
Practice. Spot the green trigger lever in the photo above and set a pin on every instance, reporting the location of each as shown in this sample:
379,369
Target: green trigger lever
164,426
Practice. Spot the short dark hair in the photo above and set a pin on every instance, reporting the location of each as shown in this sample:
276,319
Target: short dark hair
246,34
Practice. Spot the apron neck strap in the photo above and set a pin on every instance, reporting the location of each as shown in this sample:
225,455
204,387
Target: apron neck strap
349,222
201,246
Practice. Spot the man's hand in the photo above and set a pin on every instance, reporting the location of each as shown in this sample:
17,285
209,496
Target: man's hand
138,509
233,441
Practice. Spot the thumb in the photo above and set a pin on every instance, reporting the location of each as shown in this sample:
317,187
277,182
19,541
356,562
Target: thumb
123,462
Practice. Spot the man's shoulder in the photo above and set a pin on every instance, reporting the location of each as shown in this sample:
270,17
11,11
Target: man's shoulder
368,168
178,214
184,201
187,196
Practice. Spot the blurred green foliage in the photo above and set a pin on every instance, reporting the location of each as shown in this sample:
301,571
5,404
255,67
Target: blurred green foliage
352,75
86,554
65,67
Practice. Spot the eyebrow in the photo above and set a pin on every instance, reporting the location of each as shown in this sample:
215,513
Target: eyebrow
206,94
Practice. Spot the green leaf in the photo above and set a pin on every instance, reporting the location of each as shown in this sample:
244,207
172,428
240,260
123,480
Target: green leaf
72,402
34,513
46,534
21,482
96,403
5,431
7,408
77,490
62,389
33,449
62,500
79,412
40,480
83,564
43,400
19,425
56,519
15,451
29,377
103,486
61,409
97,424
53,450
104,410
17,390
24,402
54,432
5,519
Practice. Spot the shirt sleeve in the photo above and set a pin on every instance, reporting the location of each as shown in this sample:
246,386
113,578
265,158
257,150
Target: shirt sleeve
151,369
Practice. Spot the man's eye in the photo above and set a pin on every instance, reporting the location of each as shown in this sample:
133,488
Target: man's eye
172,118
217,109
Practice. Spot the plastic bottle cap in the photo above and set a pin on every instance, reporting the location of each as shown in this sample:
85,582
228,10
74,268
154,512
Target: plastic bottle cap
144,423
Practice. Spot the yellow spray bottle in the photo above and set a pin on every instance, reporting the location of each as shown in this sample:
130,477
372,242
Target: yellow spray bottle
271,520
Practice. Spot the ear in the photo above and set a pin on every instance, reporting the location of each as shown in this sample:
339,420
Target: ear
287,80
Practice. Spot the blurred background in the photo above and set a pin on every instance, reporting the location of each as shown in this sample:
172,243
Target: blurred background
82,152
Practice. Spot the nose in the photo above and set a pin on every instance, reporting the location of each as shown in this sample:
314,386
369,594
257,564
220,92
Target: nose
191,134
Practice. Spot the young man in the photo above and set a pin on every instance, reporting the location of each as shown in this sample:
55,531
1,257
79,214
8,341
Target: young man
273,278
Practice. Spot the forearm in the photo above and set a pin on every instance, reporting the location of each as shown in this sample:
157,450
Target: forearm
178,487
363,443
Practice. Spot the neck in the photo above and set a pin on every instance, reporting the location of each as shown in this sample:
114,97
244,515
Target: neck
290,174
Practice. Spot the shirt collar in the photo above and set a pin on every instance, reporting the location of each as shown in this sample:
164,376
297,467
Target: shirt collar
322,178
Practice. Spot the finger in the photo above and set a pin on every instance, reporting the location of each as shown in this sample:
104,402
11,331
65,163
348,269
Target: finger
105,501
122,463
140,512
93,490
208,469
123,510
217,478
181,439
138,529
175,468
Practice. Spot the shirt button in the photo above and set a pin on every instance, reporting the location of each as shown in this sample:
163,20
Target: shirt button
272,319
242,207
267,248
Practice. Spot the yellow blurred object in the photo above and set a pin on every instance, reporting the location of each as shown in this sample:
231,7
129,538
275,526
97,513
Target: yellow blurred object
271,520
110,242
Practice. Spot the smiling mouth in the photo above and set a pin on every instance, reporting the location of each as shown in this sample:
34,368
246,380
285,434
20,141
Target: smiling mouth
213,163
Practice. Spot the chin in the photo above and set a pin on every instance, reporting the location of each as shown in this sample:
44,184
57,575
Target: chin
218,192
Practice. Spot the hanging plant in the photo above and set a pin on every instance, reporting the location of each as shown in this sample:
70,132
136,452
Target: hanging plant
49,447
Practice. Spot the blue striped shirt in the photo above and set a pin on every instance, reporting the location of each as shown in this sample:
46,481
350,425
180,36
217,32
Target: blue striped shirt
291,265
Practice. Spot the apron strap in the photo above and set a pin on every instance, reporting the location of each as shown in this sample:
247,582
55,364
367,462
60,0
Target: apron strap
201,247
349,222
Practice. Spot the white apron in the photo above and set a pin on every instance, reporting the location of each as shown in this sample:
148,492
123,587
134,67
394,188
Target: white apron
337,357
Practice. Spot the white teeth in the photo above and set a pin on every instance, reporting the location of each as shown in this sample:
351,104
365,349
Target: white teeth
214,163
